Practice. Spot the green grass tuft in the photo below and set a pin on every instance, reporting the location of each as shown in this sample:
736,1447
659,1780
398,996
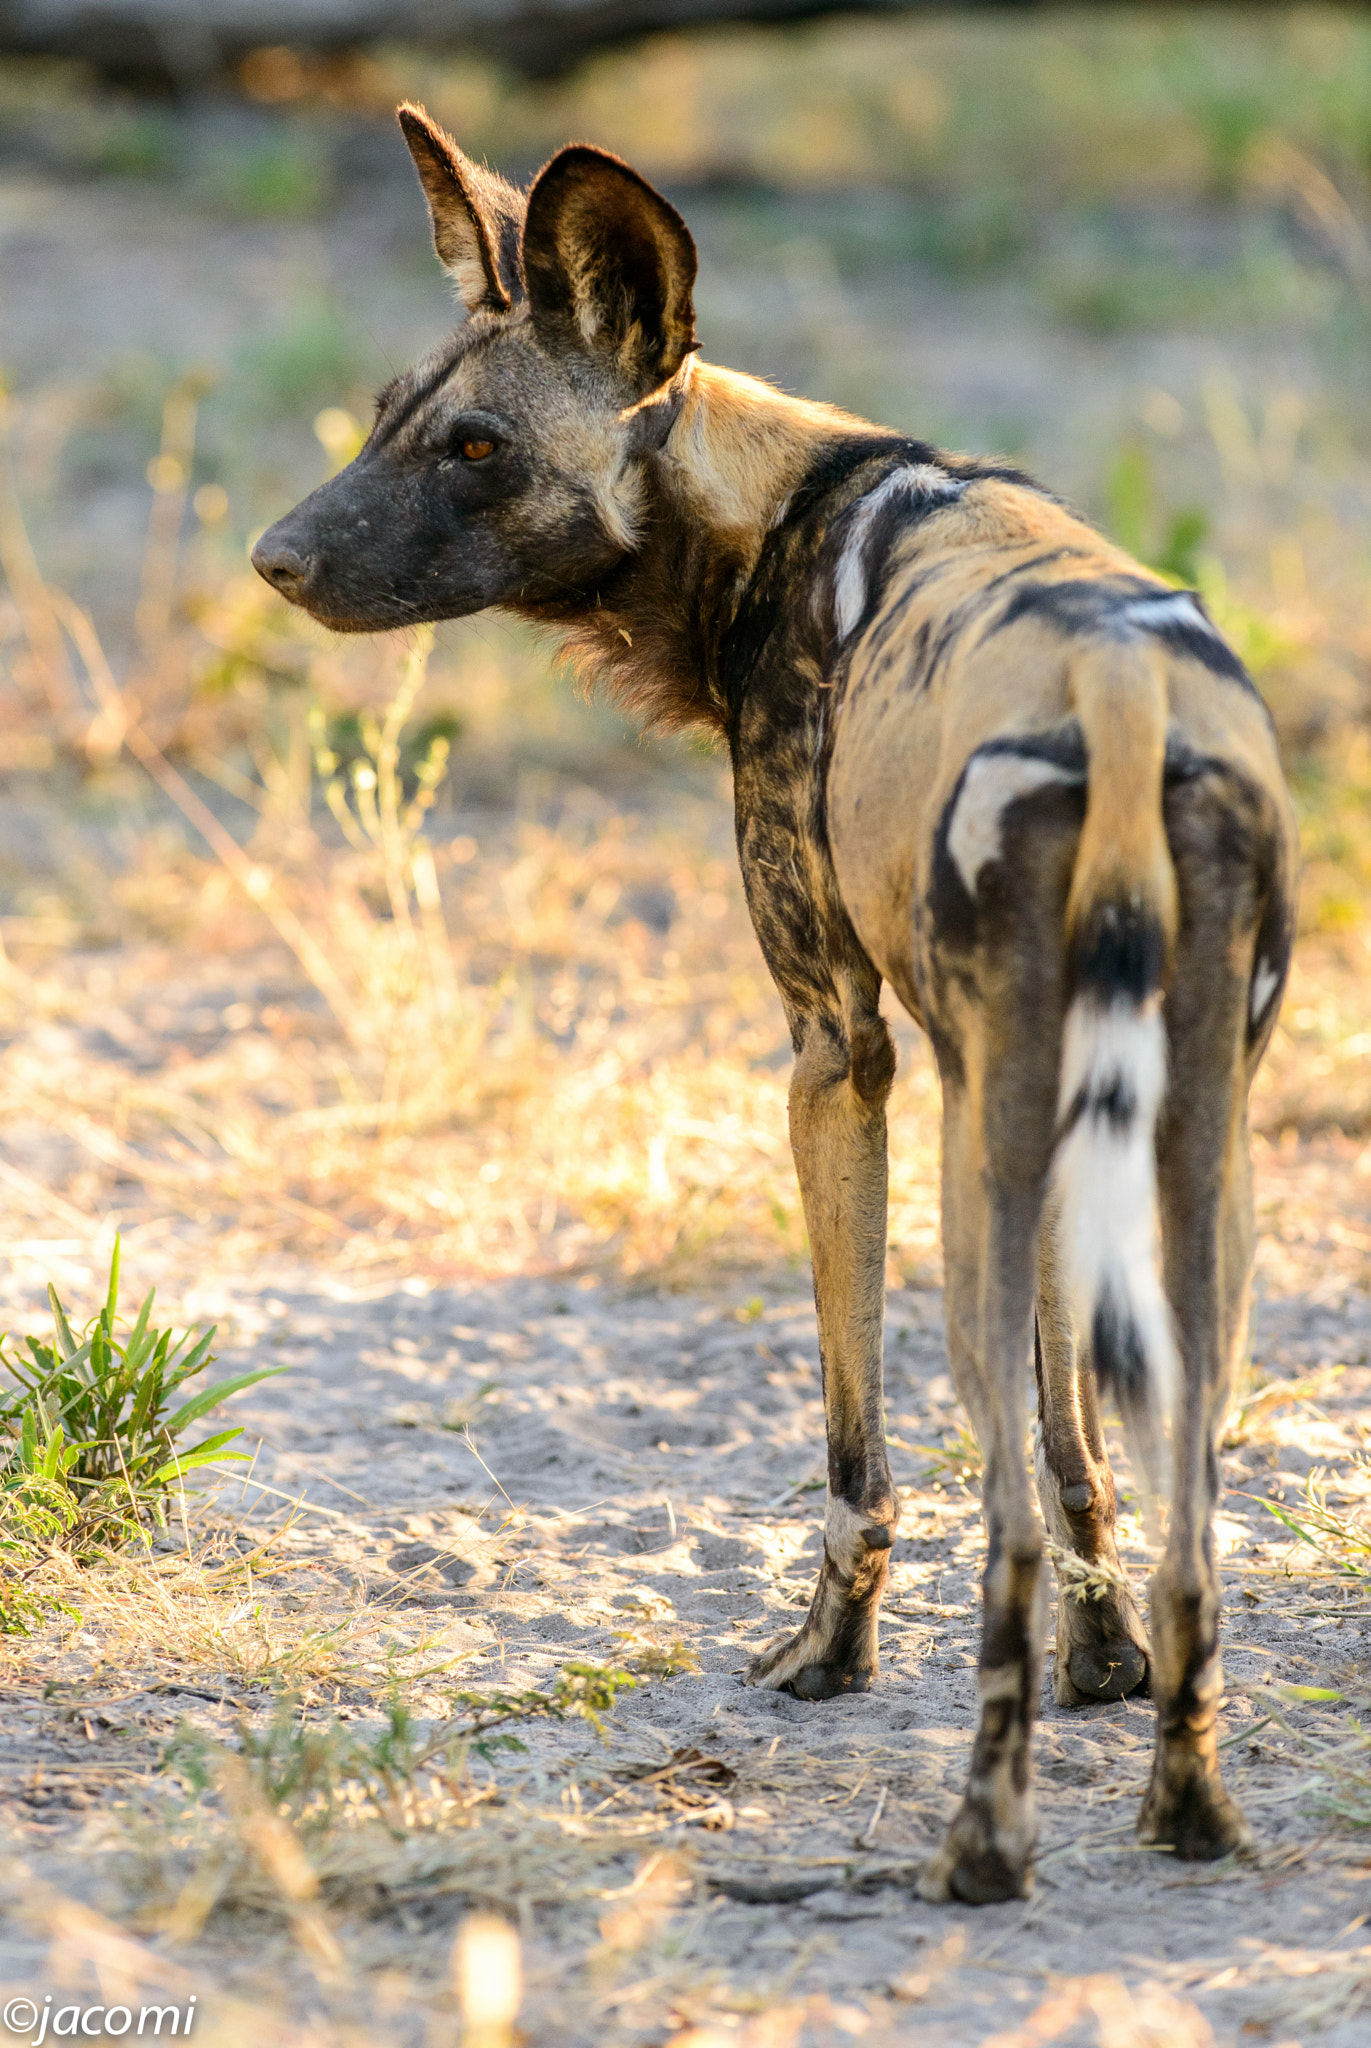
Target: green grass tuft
307,1769
90,1434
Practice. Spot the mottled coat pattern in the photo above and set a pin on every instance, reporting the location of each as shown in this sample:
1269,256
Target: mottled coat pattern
979,754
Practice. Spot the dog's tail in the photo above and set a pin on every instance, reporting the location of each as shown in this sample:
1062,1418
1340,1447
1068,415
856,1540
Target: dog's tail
1121,925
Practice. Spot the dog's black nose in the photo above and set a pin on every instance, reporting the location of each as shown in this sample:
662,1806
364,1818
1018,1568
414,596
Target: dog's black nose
282,565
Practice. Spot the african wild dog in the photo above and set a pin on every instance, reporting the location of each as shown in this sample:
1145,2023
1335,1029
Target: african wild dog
978,753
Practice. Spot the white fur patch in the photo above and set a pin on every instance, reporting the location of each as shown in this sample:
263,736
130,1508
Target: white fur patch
843,1534
1265,982
922,479
991,782
1105,1176
1179,609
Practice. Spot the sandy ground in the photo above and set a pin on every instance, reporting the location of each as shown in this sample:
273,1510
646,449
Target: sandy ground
637,1469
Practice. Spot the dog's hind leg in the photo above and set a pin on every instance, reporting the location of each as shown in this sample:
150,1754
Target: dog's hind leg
996,1003
992,1193
1102,1647
1218,1010
1206,1197
843,1070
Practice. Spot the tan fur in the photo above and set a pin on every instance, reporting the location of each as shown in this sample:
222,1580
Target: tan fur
1120,698
896,758
837,1132
739,449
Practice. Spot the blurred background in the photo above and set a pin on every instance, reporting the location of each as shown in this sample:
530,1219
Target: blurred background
409,959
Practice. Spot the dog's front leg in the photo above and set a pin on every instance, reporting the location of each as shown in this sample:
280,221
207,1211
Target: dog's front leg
844,1067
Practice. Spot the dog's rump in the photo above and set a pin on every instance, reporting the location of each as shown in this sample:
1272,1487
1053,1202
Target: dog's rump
1007,649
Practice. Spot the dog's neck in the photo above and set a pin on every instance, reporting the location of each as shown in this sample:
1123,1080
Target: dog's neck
736,453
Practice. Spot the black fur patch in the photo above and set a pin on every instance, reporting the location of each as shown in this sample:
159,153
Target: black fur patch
1185,763
773,600
1119,951
1100,605
768,602
1208,649
1062,745
1077,604
1117,1103
843,459
1119,1358
908,508
404,395
873,1060
951,904
974,469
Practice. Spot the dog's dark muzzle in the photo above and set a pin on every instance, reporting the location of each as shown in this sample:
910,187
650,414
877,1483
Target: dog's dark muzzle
326,545
283,562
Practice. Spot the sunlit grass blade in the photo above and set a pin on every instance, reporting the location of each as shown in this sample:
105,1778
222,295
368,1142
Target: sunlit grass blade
1342,1538
112,1294
60,1323
201,1403
202,1454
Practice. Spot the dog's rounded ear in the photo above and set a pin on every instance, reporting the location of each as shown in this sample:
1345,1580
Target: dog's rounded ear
476,215
610,267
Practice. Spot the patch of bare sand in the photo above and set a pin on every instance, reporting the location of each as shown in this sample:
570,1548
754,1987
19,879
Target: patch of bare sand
527,1472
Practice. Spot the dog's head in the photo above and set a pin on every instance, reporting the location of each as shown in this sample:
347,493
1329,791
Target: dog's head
507,469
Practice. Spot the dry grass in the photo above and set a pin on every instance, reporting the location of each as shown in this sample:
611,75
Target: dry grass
1340,1536
212,1614
599,1850
299,1825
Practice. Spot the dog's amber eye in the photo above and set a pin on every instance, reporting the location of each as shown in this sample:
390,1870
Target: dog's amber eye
477,451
